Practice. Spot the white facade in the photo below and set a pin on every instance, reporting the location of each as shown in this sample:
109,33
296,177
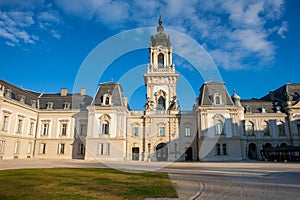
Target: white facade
219,128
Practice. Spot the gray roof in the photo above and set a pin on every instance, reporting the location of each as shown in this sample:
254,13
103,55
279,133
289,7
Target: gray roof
17,92
209,89
160,38
256,105
114,90
286,92
75,100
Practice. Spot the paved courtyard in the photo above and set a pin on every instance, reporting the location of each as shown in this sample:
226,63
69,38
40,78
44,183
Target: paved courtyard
196,180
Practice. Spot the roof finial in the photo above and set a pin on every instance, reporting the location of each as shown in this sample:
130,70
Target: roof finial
160,28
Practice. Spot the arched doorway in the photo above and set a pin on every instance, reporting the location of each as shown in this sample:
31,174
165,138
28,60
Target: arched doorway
283,145
252,152
268,146
161,152
189,154
135,153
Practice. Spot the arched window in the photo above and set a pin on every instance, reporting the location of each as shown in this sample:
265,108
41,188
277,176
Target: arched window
265,128
161,103
218,100
161,61
107,101
250,128
219,128
281,129
105,127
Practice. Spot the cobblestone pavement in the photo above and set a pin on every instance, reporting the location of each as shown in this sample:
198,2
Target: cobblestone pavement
198,180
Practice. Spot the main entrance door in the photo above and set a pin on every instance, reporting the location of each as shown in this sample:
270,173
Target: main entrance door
162,152
135,153
189,154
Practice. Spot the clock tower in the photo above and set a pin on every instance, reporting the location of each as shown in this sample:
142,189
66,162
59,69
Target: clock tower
161,78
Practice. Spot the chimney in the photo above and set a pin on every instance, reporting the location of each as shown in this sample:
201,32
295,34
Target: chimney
82,91
64,92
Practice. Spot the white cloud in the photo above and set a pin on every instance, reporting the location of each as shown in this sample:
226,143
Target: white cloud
20,20
233,31
49,16
283,29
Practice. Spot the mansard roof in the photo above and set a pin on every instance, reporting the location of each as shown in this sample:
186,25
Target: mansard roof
112,89
17,92
285,93
257,106
76,100
209,89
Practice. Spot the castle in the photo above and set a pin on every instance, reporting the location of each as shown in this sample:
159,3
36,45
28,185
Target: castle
76,126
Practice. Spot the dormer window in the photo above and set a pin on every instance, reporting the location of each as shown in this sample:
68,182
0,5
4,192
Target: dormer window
248,109
8,93
33,103
49,106
106,99
263,110
217,99
66,105
22,98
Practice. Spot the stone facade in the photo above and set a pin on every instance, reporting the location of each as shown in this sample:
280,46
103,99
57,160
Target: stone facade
76,126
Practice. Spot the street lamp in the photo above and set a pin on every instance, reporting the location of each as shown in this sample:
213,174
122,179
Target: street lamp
175,145
149,146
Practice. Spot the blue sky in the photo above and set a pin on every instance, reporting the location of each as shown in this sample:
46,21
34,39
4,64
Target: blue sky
253,43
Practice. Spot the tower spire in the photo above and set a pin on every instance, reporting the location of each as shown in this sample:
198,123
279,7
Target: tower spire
160,28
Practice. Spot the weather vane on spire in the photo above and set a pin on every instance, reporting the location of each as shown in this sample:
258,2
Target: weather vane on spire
160,28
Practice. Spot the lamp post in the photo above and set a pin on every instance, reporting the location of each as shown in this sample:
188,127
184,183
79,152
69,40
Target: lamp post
149,146
175,145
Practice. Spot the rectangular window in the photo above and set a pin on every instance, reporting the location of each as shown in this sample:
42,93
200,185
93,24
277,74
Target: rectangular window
1,146
224,148
218,146
107,149
105,128
42,148
298,127
136,131
101,150
19,126
82,129
161,131
61,148
31,128
63,129
187,132
29,147
5,123
45,129
17,147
